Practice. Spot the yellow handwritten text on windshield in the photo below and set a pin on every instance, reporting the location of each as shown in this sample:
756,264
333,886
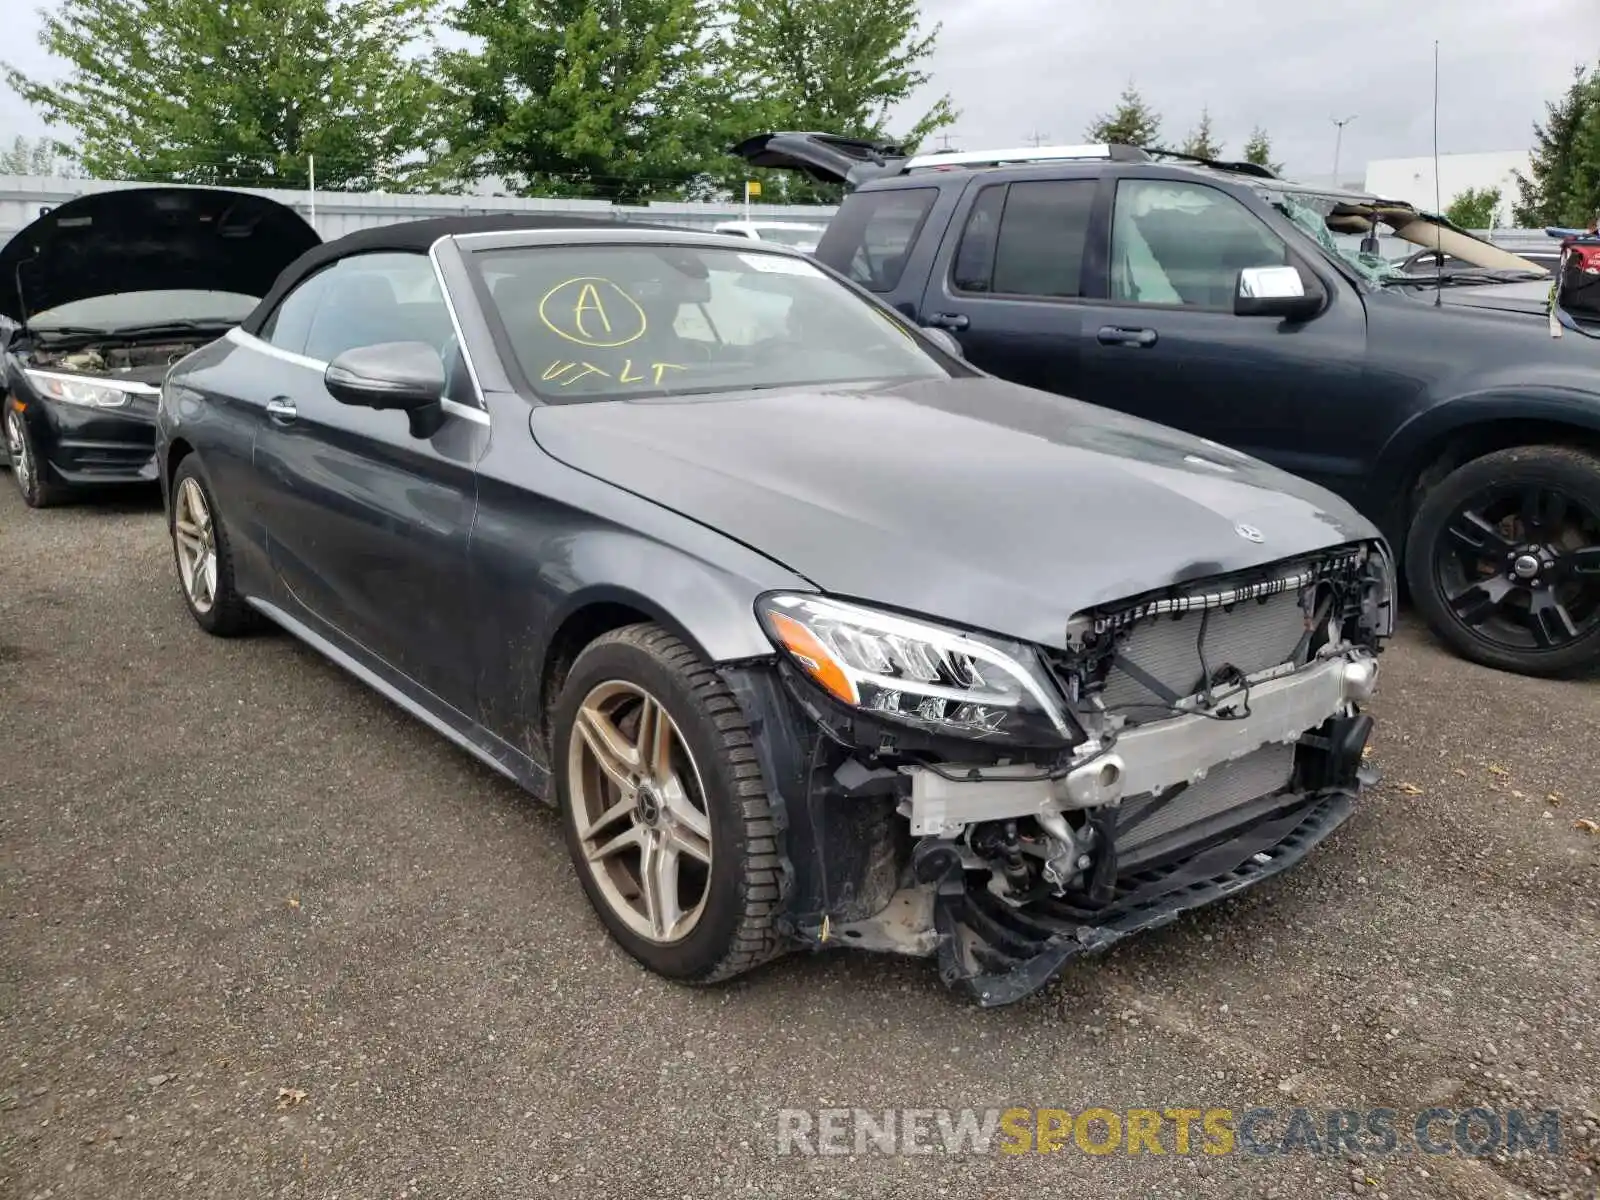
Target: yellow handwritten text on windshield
568,373
592,311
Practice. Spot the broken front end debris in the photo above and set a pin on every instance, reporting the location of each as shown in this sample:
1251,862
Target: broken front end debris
1007,808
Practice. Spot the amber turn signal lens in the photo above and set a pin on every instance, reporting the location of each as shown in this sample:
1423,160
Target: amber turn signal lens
813,656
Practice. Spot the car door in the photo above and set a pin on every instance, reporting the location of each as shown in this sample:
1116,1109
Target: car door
1008,285
1161,339
368,525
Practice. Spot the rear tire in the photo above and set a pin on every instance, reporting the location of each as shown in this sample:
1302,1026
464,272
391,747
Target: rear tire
1503,560
203,556
634,805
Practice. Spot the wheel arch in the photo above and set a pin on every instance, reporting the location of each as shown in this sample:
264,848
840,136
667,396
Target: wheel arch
1449,435
597,610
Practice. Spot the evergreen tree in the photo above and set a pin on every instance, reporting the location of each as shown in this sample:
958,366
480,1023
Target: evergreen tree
1200,142
1131,123
1563,187
1258,150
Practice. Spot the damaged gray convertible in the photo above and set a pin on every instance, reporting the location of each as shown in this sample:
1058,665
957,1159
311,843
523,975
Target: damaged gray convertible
818,636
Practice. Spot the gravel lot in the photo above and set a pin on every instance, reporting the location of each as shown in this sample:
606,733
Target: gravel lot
230,870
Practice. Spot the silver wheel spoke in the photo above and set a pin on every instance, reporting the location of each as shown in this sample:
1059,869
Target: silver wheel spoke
611,816
685,815
630,837
655,741
658,877
695,845
612,753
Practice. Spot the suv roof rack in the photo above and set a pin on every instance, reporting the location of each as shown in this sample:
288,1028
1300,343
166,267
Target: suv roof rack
1027,154
1217,164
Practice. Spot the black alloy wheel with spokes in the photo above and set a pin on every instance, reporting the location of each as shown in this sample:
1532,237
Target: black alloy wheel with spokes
1503,559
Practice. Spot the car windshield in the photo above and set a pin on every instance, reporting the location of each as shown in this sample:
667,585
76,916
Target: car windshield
1375,237
608,322
126,309
1312,213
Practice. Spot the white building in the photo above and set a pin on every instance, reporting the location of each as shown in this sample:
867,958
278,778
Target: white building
1412,179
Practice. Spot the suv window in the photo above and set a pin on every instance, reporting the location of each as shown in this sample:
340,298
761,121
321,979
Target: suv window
1185,243
870,236
1026,239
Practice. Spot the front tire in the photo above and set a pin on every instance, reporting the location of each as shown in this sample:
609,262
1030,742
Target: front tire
204,556
27,468
1503,560
664,806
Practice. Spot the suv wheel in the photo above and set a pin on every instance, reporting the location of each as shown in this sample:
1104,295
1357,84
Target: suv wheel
666,813
1503,559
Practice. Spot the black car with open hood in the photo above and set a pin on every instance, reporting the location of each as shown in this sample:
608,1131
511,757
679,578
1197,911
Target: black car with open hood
106,292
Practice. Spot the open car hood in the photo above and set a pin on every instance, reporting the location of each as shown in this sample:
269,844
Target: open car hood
824,156
149,239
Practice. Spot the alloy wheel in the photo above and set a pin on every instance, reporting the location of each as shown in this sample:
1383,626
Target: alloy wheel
1520,567
195,539
640,808
17,447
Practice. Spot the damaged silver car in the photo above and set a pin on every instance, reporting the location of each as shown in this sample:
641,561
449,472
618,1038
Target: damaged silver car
817,635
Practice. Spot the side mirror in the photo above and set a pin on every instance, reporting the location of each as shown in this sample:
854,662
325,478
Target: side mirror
1276,292
408,376
944,339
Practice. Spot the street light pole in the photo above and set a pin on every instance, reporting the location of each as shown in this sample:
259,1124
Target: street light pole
1338,140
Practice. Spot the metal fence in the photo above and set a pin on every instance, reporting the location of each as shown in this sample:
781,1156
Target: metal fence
24,197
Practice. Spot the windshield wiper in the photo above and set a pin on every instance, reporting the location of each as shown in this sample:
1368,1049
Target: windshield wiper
1469,276
183,323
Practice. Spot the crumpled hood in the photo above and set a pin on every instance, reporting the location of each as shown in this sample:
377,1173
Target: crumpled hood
149,239
973,500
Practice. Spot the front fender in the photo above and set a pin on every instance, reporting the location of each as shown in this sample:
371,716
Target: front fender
1422,437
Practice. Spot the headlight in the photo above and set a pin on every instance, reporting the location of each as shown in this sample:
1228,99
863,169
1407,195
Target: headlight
923,676
74,389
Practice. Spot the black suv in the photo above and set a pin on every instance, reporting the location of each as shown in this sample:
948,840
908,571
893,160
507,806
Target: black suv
1460,410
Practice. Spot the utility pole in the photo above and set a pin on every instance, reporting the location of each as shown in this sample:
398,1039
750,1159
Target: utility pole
1038,138
1338,140
944,142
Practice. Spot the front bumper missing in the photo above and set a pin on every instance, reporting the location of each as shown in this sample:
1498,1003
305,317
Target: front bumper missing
1143,760
998,954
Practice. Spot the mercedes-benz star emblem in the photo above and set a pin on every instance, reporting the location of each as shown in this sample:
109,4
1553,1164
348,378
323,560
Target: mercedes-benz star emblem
1249,533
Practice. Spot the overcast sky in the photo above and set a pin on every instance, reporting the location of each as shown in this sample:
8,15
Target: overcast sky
1014,67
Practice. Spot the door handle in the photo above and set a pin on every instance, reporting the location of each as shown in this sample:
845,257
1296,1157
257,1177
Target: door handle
1118,335
281,408
949,321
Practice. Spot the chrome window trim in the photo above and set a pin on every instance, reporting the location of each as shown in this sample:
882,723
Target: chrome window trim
455,323
249,341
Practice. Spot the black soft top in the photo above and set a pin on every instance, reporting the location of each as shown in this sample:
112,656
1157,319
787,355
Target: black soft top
414,237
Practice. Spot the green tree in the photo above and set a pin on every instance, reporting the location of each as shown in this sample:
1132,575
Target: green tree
613,99
1131,123
237,92
1201,142
1474,208
839,66
1258,150
1563,185
29,156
